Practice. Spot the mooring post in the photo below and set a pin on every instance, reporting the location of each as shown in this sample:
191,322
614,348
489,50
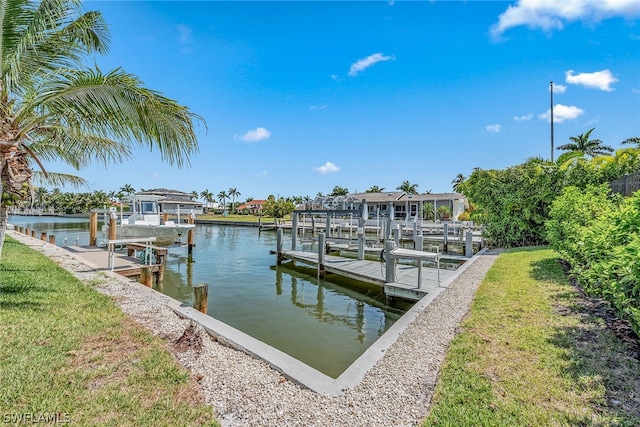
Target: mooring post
112,226
93,229
146,276
165,217
390,261
328,230
321,256
43,236
52,239
294,231
468,246
445,231
361,241
201,297
279,246
190,243
33,233
396,234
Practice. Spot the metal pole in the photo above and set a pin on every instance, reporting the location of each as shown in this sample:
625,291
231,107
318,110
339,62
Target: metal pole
551,89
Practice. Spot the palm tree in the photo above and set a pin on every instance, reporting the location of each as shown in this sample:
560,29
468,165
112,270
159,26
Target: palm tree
457,183
222,197
127,189
634,140
582,146
408,188
339,191
233,193
207,196
194,195
375,189
54,108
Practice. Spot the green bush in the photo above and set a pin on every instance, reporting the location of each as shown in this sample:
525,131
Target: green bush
600,238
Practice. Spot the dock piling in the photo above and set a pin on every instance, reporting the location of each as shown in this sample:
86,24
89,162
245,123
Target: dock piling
190,243
201,297
93,229
146,276
321,253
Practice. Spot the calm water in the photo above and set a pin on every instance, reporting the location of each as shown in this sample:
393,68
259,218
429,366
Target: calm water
326,324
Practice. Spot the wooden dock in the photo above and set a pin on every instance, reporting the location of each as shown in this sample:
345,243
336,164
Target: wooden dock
123,264
405,284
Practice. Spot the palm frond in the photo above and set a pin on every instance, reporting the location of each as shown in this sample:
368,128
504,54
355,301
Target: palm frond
57,179
116,106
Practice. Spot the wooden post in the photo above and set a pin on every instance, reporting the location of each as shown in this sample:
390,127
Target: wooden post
27,231
160,276
146,276
93,229
112,227
279,246
165,217
43,236
389,261
468,247
201,297
445,231
52,239
33,233
361,241
190,243
294,231
321,251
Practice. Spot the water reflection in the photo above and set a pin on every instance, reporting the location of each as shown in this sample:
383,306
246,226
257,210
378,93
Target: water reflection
326,324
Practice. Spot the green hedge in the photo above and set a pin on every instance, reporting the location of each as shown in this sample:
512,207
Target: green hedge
599,236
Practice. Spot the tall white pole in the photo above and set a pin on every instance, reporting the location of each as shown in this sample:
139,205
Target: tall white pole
551,90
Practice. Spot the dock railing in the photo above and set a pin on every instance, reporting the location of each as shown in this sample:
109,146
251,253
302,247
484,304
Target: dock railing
112,243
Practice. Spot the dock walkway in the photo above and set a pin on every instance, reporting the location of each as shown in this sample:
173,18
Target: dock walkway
406,276
124,265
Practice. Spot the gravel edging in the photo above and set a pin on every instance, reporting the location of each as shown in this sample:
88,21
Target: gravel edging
245,391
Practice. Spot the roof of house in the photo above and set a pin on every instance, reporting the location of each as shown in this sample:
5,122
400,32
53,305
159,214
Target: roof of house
248,205
399,196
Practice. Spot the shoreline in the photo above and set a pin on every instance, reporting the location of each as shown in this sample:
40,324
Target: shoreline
246,391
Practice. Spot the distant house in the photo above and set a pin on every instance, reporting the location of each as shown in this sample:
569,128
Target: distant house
253,207
175,201
397,205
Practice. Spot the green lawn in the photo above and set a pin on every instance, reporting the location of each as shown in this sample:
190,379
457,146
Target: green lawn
67,351
530,354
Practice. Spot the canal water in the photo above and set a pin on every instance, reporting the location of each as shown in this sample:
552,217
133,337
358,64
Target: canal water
326,324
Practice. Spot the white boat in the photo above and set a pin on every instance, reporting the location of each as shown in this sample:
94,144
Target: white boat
145,220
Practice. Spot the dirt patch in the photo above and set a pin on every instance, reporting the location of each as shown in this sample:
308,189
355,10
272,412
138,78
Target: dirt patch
191,339
599,308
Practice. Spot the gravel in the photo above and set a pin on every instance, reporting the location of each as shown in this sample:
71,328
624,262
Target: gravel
245,391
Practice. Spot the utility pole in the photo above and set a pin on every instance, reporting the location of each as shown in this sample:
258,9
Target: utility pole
551,90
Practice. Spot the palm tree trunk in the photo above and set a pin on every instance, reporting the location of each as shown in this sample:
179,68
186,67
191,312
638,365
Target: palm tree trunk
4,214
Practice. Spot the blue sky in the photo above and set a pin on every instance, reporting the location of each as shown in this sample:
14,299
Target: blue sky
299,97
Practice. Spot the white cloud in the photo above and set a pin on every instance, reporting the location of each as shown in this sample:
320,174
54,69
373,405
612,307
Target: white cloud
553,14
363,64
559,88
318,107
562,113
255,135
184,33
326,168
600,79
524,118
493,128
635,90
263,173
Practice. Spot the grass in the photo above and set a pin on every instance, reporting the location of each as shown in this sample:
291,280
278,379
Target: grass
67,351
530,354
